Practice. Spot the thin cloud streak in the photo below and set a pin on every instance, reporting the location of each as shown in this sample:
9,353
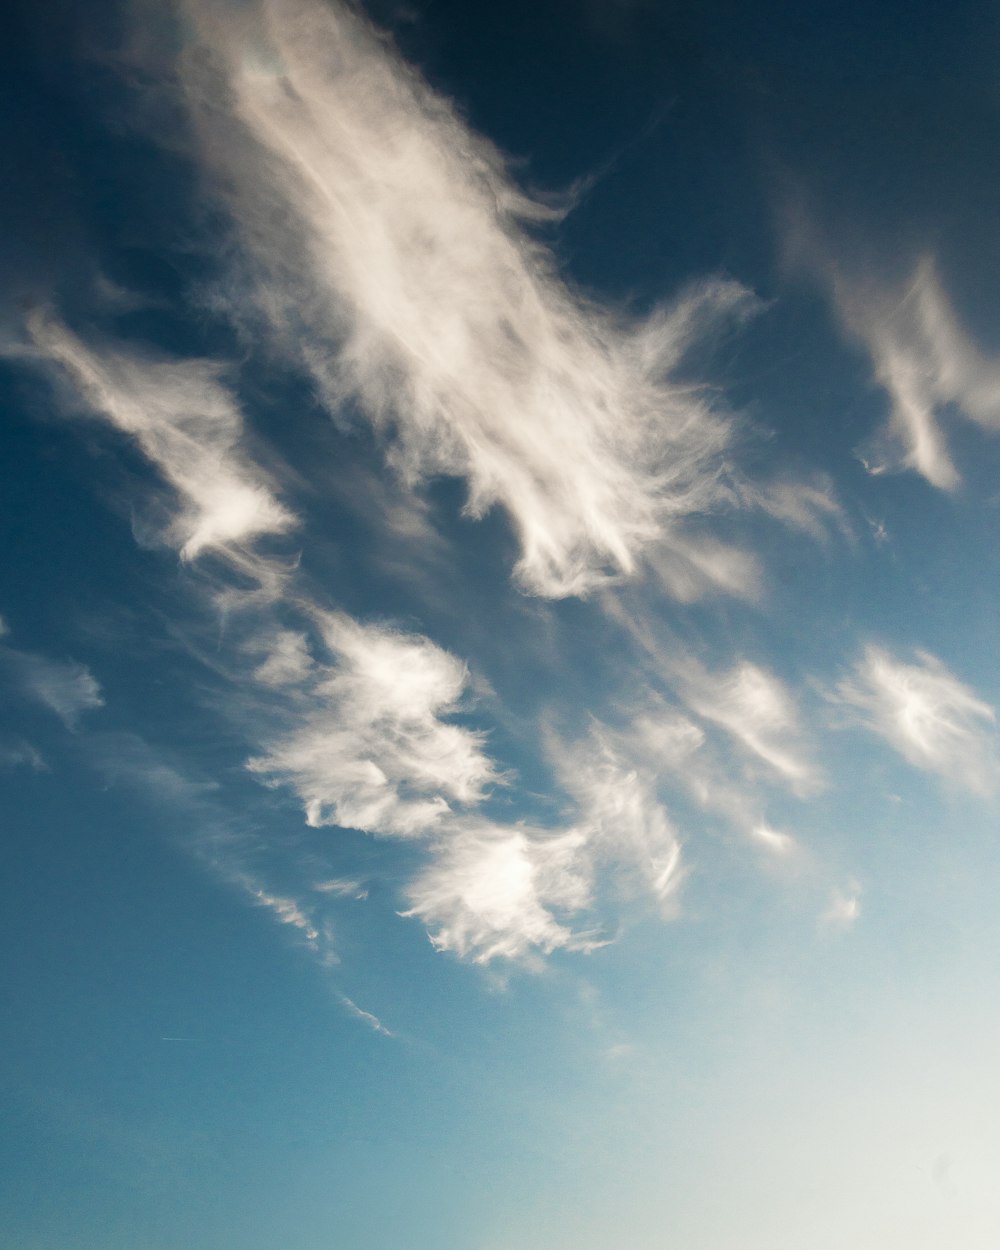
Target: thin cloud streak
927,364
185,422
405,275
233,853
756,709
63,686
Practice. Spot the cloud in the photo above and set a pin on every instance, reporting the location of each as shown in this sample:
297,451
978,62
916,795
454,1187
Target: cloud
927,364
366,1017
288,661
17,753
386,245
233,851
758,712
63,686
844,909
693,567
490,891
810,507
69,689
367,747
776,841
317,935
185,422
341,887
620,814
926,714
515,891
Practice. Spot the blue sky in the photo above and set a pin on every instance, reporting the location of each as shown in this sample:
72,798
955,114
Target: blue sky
498,638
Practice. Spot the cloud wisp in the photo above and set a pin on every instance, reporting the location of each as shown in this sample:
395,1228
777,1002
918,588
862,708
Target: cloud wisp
927,364
924,712
756,709
65,687
185,421
405,274
235,854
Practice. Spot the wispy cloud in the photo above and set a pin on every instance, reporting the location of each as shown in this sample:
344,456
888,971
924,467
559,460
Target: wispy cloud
406,273
926,714
63,686
844,908
366,1017
342,887
234,852
185,422
68,688
776,841
928,365
493,892
18,753
758,711
625,824
367,746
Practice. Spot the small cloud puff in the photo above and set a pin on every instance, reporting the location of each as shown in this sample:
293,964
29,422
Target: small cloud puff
926,714
844,908
491,891
367,747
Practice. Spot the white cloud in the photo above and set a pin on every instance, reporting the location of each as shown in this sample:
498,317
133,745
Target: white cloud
927,363
844,908
387,245
811,507
621,816
63,686
69,689
366,1017
926,714
692,567
342,887
367,747
287,661
776,841
758,711
233,852
494,891
186,423
287,911
490,891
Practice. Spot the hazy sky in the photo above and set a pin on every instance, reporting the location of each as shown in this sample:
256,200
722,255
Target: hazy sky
499,626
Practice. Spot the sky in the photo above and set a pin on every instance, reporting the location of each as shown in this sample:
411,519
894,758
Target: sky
498,630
